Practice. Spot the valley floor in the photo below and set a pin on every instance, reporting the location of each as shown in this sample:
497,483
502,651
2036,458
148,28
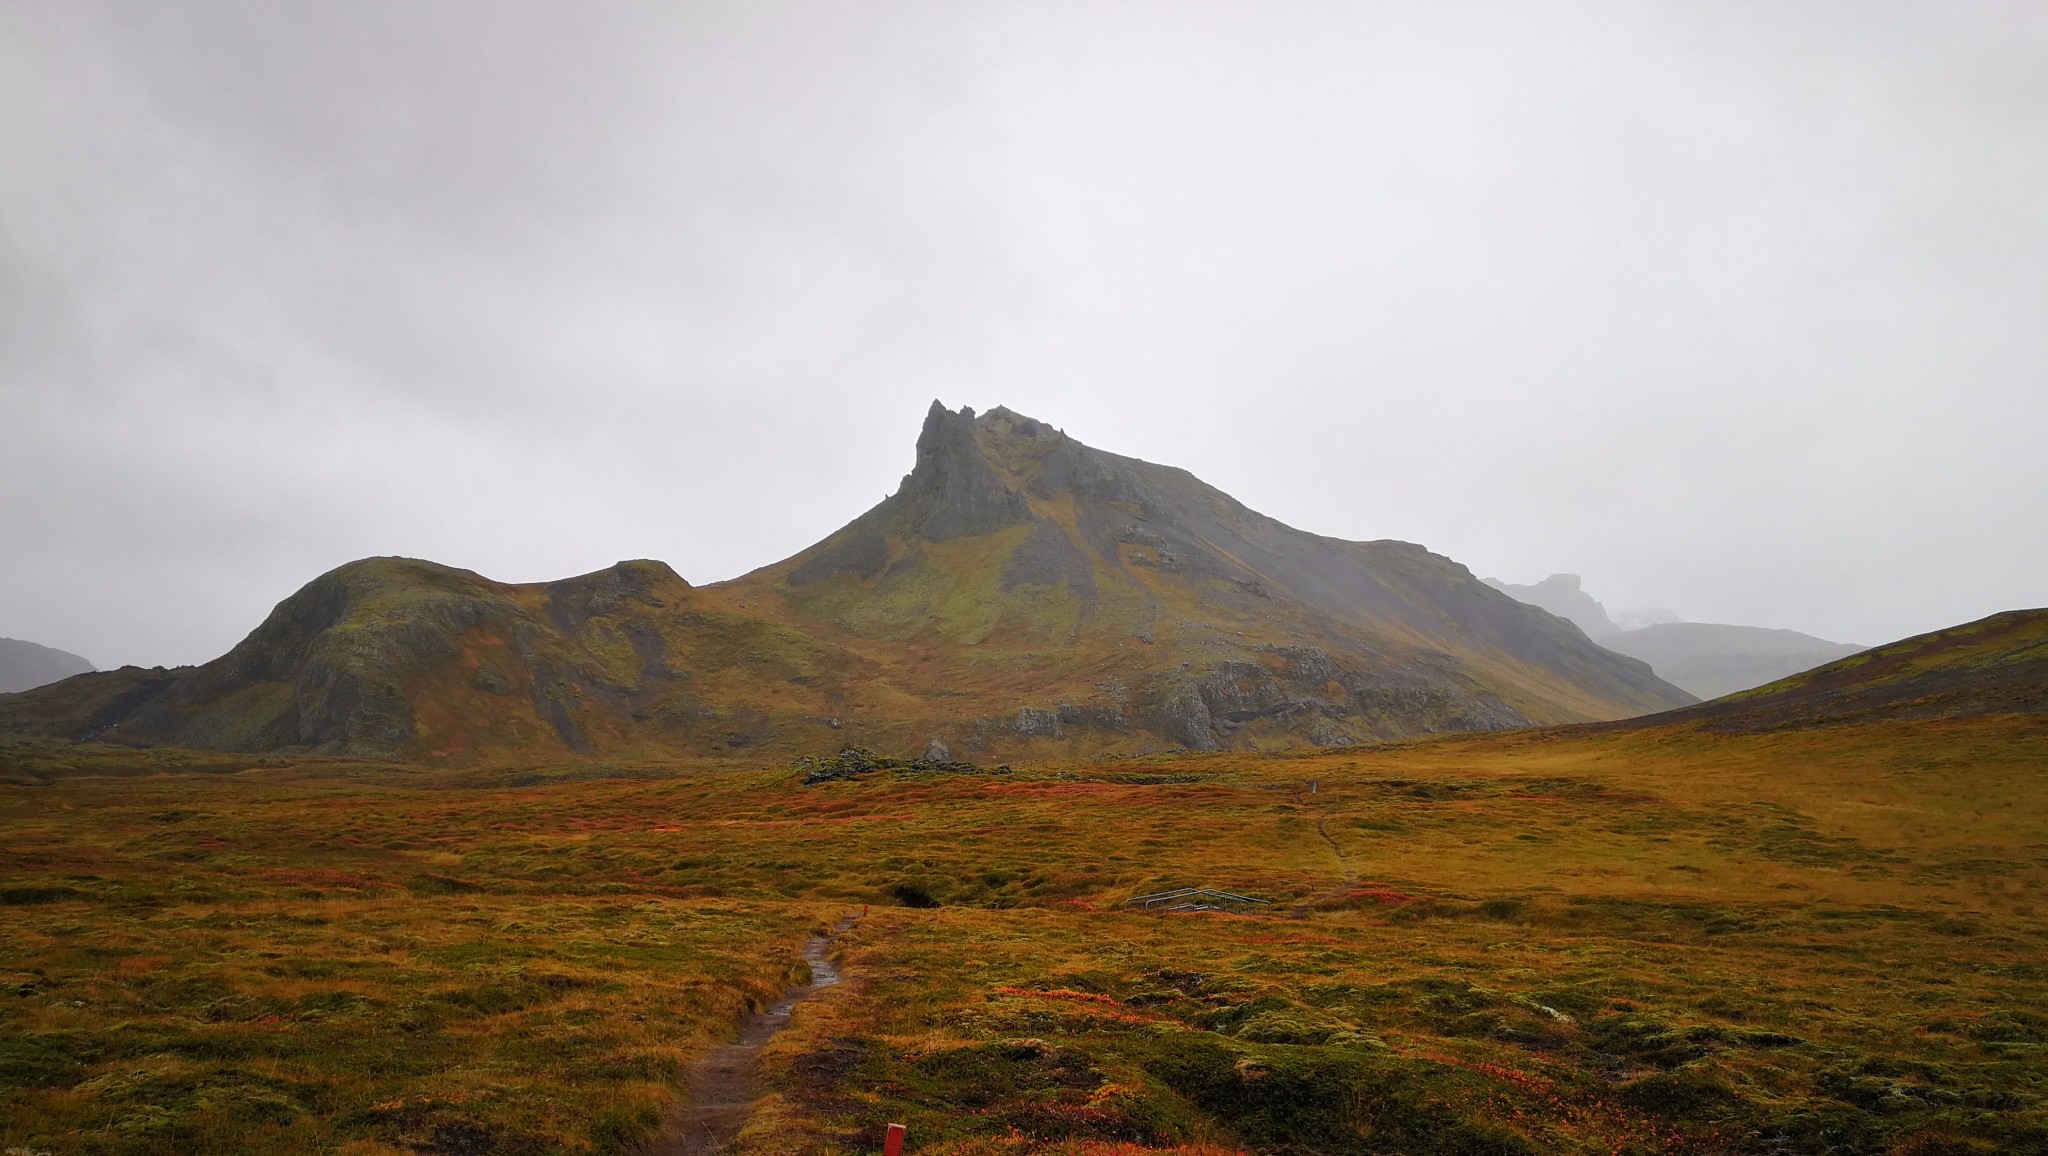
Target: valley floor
1820,941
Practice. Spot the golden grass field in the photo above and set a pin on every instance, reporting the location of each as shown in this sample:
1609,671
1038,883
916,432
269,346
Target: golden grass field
1661,940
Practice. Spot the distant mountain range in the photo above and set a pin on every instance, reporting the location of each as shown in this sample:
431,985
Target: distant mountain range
1996,665
24,665
1020,595
1707,659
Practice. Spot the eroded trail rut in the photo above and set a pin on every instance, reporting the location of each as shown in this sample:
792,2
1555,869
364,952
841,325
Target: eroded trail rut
725,1083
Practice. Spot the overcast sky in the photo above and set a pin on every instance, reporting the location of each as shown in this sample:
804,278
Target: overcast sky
1739,309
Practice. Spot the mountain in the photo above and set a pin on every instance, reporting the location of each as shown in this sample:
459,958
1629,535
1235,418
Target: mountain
1705,659
1021,594
399,656
1711,659
1096,592
24,665
1562,595
1996,665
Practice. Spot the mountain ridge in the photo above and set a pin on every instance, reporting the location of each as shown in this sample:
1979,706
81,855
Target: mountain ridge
1713,659
1994,665
1020,594
26,665
1705,659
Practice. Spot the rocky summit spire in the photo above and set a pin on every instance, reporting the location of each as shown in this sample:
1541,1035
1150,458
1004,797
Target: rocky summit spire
953,491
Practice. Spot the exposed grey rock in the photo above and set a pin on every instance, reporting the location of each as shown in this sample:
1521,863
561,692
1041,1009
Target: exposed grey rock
1049,558
1307,665
953,492
1036,723
1095,715
936,751
641,582
1162,555
489,679
1240,693
861,552
1176,710
1074,467
1394,700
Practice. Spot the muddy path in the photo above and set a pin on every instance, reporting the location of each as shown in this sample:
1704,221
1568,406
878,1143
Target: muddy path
1344,863
725,1082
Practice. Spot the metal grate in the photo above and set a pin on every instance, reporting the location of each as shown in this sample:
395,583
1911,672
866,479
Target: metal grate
1195,899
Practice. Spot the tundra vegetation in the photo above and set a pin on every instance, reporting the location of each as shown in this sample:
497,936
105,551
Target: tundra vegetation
1662,940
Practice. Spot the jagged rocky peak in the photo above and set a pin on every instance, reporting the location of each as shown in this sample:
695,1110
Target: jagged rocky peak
953,491
974,475
971,477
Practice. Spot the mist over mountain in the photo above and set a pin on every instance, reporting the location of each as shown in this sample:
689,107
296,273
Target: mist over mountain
1562,595
27,664
1707,659
1993,666
1711,659
1019,594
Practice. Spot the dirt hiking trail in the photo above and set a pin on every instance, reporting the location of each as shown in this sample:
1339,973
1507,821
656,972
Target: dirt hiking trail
724,1084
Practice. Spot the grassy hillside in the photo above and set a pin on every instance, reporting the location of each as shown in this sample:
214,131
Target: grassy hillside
1823,940
404,658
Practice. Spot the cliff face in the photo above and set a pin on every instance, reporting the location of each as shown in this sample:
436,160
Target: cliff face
1020,594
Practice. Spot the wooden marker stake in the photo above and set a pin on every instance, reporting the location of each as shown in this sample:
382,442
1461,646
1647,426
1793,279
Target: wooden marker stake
893,1146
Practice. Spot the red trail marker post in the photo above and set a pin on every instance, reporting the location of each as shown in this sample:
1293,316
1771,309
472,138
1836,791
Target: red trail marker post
893,1145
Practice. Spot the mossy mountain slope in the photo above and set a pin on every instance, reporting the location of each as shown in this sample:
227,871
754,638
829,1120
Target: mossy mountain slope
400,656
1088,600
1021,595
1995,665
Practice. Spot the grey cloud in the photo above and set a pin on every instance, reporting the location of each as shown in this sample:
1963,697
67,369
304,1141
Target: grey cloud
1730,308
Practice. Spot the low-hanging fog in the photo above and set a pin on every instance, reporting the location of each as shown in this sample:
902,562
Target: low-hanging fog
1735,308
